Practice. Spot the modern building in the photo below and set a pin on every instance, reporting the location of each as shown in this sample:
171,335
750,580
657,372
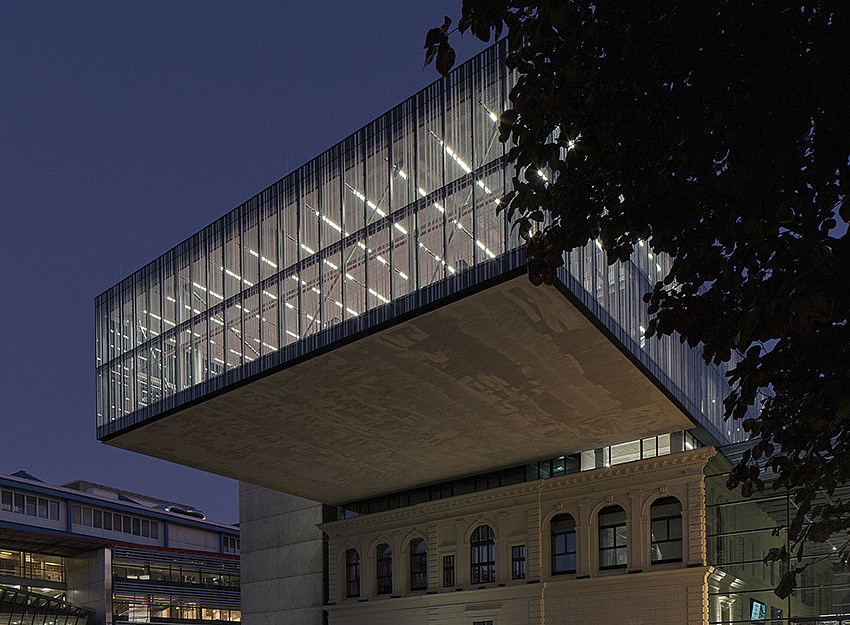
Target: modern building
361,337
102,555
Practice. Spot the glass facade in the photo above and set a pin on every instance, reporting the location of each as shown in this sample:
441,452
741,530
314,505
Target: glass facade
31,566
399,215
156,587
739,534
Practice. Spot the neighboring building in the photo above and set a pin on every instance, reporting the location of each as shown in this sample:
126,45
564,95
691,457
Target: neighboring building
361,335
114,555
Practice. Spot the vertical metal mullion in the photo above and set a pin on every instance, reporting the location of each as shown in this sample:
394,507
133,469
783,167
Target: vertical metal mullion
298,248
209,245
280,237
133,354
388,137
417,120
445,250
503,80
261,200
365,224
225,333
241,248
475,163
317,180
343,230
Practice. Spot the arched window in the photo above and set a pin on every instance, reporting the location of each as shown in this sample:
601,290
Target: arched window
384,569
352,573
612,538
563,529
418,564
482,555
666,531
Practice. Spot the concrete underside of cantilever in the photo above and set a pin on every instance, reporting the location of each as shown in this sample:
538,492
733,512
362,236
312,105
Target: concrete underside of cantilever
505,376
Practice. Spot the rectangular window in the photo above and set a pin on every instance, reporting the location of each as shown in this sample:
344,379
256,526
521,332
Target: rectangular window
87,517
76,514
54,510
146,528
352,573
518,562
19,503
107,521
97,518
6,501
448,571
31,505
154,529
42,508
137,526
128,526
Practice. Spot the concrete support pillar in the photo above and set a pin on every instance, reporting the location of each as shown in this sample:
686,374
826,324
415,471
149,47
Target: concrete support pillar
88,577
282,561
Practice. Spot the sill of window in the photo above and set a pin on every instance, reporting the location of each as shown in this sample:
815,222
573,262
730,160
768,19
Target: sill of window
614,570
668,564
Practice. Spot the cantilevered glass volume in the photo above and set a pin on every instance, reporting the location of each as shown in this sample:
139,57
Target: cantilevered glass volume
391,221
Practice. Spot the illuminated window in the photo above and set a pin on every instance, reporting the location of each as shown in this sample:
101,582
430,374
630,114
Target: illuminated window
352,573
563,529
482,552
418,564
666,533
612,538
384,569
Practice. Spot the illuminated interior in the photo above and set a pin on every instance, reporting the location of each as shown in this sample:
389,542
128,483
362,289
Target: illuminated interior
397,215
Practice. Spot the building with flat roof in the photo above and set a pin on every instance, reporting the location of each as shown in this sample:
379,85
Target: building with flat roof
360,336
114,555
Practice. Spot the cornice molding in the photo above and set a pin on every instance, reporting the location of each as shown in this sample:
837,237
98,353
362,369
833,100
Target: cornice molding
692,460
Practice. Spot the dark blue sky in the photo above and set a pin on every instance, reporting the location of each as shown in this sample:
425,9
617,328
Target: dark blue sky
125,127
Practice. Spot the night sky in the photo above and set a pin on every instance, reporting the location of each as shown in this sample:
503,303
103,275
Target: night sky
125,127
